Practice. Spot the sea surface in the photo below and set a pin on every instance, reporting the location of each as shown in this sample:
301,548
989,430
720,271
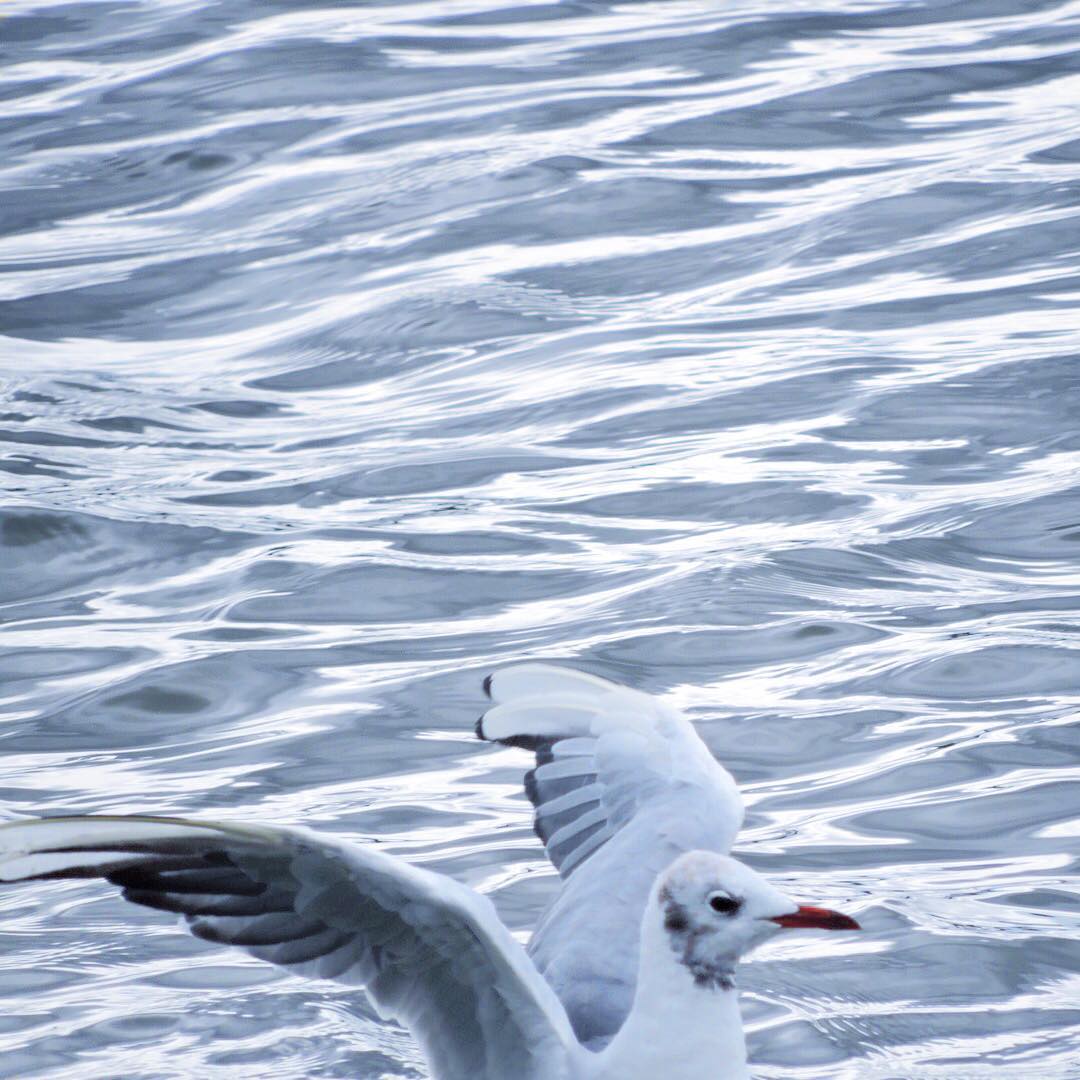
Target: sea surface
728,349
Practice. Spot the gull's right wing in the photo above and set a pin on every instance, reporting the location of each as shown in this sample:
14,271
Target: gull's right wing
605,754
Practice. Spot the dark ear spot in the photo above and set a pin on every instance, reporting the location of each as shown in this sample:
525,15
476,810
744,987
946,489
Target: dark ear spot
675,917
675,920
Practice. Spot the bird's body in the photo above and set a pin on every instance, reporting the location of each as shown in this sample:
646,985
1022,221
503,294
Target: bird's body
634,965
699,1038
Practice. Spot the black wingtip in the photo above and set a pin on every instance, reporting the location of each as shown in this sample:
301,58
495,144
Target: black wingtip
487,684
479,729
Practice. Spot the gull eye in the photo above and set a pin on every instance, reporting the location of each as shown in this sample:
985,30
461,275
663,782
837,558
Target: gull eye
723,903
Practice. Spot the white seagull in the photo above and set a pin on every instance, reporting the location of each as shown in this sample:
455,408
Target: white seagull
623,785
433,953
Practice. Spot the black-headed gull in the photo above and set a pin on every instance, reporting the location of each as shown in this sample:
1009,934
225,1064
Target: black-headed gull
433,954
622,786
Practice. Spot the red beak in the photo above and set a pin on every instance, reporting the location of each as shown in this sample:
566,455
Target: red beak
817,917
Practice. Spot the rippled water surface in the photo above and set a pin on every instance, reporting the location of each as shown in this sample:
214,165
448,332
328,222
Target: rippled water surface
726,349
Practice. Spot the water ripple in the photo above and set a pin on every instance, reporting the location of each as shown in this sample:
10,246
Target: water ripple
727,350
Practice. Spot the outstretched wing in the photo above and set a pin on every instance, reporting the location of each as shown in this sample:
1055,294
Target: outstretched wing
622,786
431,952
604,755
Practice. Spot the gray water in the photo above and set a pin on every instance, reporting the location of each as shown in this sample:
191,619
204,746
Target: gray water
726,349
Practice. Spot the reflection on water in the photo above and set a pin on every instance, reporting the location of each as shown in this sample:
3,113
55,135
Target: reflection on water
727,350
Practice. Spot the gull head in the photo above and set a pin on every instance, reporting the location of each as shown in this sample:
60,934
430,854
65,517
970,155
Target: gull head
712,910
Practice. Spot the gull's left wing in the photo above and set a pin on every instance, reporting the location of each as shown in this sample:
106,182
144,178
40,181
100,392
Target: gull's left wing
431,952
